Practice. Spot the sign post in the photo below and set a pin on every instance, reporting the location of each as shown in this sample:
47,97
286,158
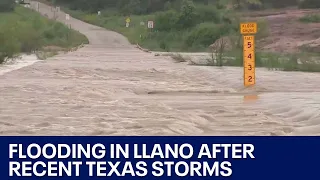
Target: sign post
38,7
150,24
69,25
128,20
249,72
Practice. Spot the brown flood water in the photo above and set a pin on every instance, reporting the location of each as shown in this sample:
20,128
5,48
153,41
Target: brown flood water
111,88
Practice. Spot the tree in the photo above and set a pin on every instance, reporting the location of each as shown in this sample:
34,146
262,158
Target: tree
7,5
187,14
9,44
240,4
309,4
167,20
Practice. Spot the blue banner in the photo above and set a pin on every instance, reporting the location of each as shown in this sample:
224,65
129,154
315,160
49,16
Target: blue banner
240,158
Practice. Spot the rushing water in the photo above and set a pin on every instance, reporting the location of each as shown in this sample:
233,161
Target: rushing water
17,63
111,88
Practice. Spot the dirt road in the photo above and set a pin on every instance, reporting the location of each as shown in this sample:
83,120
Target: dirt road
111,88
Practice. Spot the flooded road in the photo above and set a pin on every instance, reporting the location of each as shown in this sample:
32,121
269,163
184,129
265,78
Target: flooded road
111,88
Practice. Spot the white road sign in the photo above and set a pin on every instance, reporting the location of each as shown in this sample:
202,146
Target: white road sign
67,16
150,24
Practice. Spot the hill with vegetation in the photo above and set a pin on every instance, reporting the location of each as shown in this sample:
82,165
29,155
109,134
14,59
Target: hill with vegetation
24,31
288,35
179,25
285,27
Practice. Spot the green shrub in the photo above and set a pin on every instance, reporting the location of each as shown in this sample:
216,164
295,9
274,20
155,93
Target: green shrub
9,44
220,5
204,34
166,21
279,3
7,5
309,4
169,20
168,6
26,31
30,40
187,16
310,18
208,14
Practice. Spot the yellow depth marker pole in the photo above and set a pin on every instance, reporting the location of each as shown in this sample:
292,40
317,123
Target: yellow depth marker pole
249,60
249,66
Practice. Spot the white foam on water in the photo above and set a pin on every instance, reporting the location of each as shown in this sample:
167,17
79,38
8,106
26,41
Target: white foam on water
18,63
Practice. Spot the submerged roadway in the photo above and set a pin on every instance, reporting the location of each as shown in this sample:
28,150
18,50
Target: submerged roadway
109,87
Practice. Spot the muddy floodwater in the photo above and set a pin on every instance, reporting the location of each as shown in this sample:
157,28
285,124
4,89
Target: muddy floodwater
111,88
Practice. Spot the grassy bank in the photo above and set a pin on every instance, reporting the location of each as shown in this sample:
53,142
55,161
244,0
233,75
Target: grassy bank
306,62
311,18
25,31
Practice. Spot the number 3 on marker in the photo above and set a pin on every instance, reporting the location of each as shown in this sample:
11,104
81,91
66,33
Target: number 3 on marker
250,67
